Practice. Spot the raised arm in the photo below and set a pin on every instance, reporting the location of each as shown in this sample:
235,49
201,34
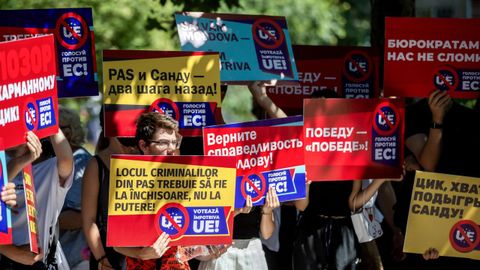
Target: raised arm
90,191
64,154
267,224
302,204
259,93
359,197
427,150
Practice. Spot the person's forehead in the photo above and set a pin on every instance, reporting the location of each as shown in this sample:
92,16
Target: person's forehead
162,133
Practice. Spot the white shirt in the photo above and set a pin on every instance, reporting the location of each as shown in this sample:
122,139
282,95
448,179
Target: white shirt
49,201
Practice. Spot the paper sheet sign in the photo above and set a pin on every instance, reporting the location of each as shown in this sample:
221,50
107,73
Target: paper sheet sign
183,85
353,139
74,40
188,197
451,202
252,47
28,89
269,154
427,54
352,72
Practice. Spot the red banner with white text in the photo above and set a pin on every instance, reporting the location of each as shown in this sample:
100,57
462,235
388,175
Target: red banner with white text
353,139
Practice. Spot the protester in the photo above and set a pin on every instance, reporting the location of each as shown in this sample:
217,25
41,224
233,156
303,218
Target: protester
325,236
285,221
250,224
442,137
156,134
70,220
95,191
53,175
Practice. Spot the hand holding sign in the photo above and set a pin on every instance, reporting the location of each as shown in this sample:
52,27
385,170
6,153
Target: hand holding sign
439,102
8,194
28,152
247,208
158,248
431,254
271,202
217,250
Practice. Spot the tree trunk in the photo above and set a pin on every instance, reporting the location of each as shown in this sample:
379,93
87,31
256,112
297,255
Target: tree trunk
380,10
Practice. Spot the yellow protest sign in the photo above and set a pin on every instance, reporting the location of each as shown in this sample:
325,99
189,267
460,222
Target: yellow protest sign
188,197
183,85
444,214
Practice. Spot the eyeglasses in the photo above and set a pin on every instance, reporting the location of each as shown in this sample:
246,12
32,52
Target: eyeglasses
164,144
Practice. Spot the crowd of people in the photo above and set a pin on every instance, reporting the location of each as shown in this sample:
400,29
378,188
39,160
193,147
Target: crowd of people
314,233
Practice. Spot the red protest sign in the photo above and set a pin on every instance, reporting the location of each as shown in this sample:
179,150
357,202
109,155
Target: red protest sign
269,155
427,54
28,89
353,139
350,71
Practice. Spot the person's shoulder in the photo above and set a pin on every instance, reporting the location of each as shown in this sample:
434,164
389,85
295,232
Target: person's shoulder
81,156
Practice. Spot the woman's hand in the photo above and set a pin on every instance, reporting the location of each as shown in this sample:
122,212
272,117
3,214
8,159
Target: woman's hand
158,248
271,201
8,194
431,254
246,209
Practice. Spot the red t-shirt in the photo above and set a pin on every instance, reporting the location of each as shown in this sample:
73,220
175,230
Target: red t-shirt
169,262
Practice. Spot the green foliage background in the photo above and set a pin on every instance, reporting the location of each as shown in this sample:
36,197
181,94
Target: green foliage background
149,25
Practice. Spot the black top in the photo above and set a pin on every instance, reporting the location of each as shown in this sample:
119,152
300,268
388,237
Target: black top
247,226
460,136
329,198
116,259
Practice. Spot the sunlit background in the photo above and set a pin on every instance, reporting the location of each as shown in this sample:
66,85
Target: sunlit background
149,25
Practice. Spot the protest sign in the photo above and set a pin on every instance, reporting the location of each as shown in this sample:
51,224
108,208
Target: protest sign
188,197
347,139
427,54
5,216
452,204
29,186
28,89
183,85
352,72
252,47
75,47
269,154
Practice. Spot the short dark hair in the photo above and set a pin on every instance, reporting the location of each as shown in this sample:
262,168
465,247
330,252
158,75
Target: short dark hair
149,122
